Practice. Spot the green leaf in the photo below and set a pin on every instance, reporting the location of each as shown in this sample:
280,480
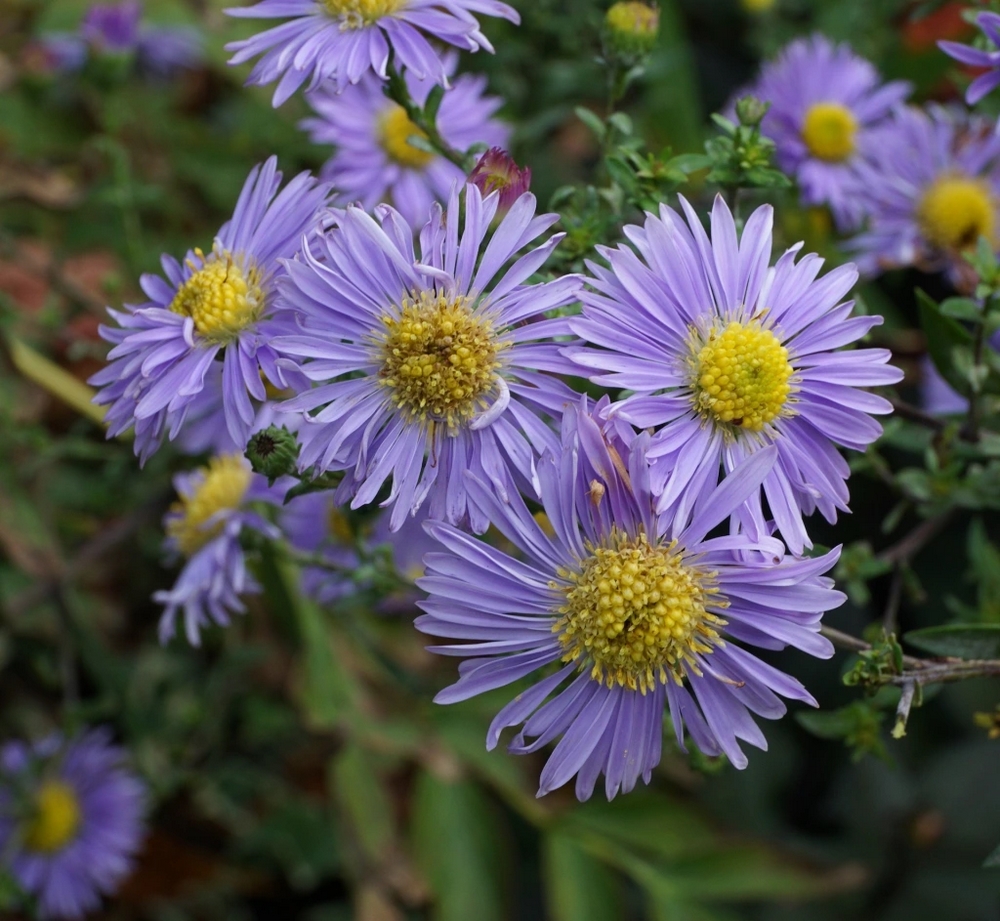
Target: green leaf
363,798
621,123
944,335
592,121
962,308
433,104
578,887
993,860
961,641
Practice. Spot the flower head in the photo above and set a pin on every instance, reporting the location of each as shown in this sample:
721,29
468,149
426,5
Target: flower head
726,356
933,187
215,303
374,161
639,611
342,40
71,820
975,57
824,102
496,171
632,27
430,365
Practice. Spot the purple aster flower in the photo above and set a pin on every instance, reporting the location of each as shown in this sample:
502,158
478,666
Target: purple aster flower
639,611
112,28
433,365
496,171
71,820
374,162
932,182
824,101
974,57
204,529
342,40
726,356
214,305
163,50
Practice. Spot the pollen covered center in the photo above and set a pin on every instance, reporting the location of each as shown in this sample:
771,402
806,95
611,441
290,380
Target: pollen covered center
828,131
741,376
956,211
356,14
222,297
55,819
637,613
439,359
224,484
394,130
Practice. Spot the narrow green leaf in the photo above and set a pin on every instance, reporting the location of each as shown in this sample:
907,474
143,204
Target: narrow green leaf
578,887
944,335
961,641
592,121
433,104
962,308
993,860
362,797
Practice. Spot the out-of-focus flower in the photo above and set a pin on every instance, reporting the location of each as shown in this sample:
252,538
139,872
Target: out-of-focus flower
975,57
496,171
342,40
643,611
632,27
429,365
726,356
374,161
71,820
165,349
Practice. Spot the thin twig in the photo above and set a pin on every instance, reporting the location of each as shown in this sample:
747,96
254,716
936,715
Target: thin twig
905,549
914,414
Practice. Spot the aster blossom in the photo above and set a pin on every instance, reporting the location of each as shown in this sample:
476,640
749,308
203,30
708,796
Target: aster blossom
374,161
932,179
985,83
428,365
824,101
342,40
71,820
214,305
726,355
204,529
638,612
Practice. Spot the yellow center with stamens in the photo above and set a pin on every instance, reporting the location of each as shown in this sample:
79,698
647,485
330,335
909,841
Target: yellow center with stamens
637,613
222,297
55,820
356,14
394,131
439,359
828,131
224,484
741,376
956,211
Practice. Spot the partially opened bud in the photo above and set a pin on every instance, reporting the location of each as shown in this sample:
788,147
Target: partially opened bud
496,171
632,27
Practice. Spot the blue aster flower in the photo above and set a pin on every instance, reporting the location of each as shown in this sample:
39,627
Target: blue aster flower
212,306
342,40
71,820
976,57
428,365
824,102
635,611
204,529
726,355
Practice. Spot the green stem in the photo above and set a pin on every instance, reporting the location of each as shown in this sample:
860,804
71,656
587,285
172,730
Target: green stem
396,90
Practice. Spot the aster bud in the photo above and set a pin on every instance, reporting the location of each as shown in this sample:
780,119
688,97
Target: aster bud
273,452
496,171
632,27
750,111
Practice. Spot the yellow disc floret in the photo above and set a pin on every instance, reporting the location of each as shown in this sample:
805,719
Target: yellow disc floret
956,211
439,359
394,131
222,297
637,613
741,376
356,14
828,131
224,483
55,819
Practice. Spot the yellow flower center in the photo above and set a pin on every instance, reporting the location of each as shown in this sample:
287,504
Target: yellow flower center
222,297
956,211
637,613
439,360
741,376
829,130
224,484
395,130
757,6
356,14
631,17
56,818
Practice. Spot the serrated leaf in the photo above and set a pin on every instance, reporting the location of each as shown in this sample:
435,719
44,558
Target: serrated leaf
960,641
578,887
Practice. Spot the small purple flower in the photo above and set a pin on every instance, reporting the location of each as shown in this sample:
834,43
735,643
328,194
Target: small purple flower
219,303
824,101
726,355
71,820
932,182
638,611
975,57
204,529
342,40
428,365
496,171
112,28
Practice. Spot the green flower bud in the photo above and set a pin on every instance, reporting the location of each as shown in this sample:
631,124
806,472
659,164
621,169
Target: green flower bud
273,452
632,27
751,111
